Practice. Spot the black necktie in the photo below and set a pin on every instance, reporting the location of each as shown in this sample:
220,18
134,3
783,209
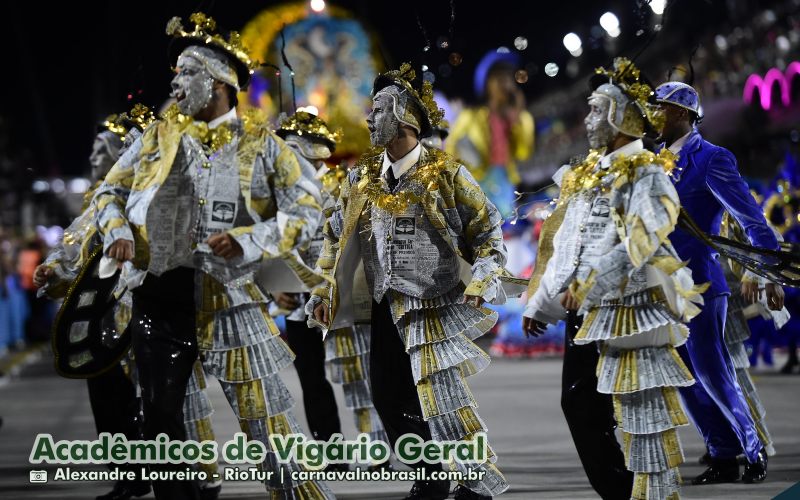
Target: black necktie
391,179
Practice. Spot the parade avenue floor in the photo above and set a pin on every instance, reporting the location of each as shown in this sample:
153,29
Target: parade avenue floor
519,401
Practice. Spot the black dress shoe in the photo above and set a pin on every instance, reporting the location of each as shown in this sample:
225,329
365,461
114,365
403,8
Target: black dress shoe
720,471
756,472
463,493
124,490
429,490
790,366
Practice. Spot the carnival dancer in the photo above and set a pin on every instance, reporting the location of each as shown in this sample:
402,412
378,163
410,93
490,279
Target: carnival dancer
708,184
192,209
611,261
112,394
409,213
346,349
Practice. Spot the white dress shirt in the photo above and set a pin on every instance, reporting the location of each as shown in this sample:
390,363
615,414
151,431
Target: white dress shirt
227,117
676,146
402,165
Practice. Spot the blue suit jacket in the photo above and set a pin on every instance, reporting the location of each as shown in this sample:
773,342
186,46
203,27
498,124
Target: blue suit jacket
708,184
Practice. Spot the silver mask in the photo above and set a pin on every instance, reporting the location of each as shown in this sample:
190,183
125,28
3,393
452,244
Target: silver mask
598,129
192,85
105,152
382,122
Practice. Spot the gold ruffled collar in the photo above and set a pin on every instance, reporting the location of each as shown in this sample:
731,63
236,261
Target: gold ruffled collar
586,176
425,174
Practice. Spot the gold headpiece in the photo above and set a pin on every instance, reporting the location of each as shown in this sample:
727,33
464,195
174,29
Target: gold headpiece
205,33
115,124
626,76
140,117
423,98
307,124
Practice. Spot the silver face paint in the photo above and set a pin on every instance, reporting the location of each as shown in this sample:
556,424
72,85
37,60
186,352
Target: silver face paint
598,130
192,85
381,121
104,154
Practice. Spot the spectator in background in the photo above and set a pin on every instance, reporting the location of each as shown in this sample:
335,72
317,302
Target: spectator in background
37,324
492,138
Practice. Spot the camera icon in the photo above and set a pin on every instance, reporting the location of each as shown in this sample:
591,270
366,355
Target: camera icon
38,476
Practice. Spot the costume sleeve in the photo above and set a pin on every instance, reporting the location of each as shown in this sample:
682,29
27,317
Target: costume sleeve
111,197
652,212
540,305
332,233
481,222
286,205
724,181
69,256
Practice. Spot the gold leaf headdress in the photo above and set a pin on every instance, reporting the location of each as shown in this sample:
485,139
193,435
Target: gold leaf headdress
140,117
422,98
306,124
627,77
205,33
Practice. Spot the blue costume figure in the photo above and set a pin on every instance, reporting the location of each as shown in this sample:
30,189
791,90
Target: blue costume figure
708,184
781,206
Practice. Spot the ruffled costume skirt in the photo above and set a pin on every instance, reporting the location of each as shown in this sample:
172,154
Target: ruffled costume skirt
438,335
640,367
241,346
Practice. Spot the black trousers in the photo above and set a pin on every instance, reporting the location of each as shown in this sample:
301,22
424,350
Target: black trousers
165,347
112,396
394,392
318,398
590,417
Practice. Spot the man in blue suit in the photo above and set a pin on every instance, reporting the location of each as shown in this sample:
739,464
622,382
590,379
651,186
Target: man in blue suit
708,183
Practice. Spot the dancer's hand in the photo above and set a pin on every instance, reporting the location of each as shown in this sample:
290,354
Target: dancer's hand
569,302
774,296
224,245
473,300
532,328
321,313
121,251
41,275
751,292
286,301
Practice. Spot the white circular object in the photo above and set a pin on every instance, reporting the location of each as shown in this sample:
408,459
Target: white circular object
572,42
317,5
658,6
609,22
551,69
